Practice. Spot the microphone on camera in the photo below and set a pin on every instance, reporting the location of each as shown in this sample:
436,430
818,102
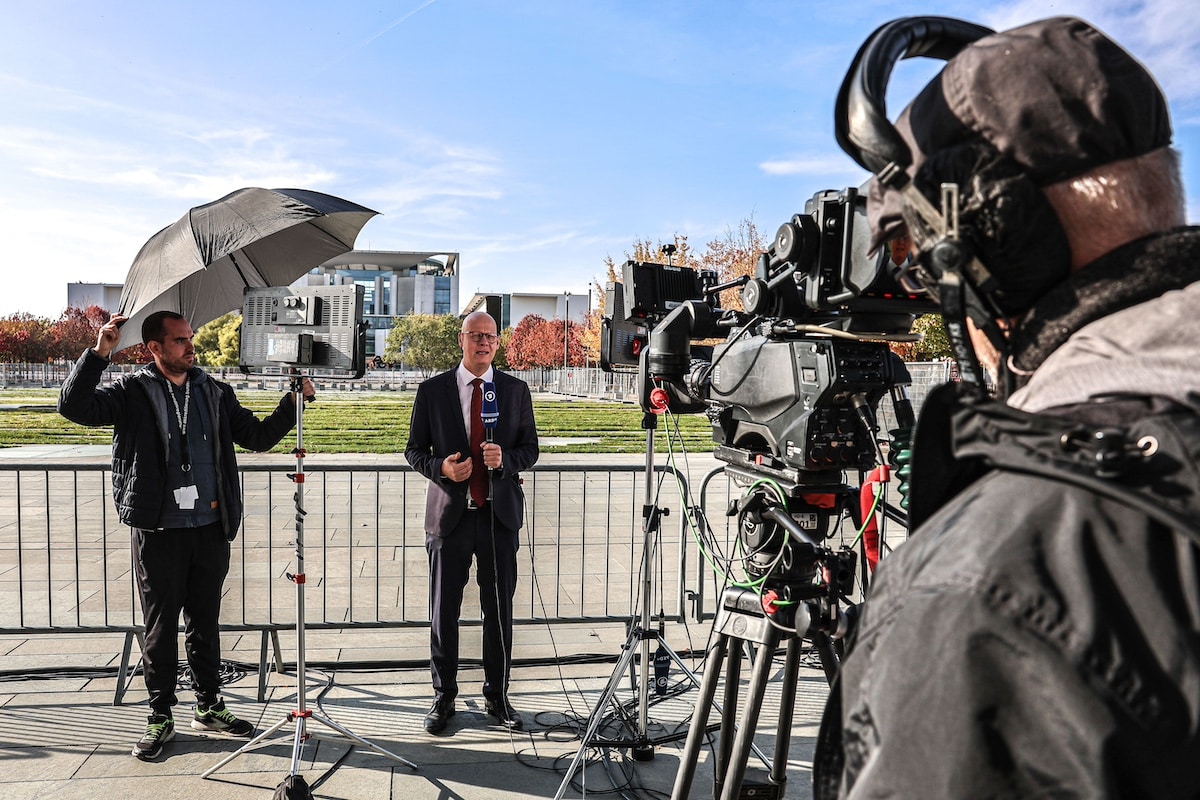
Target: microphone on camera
489,411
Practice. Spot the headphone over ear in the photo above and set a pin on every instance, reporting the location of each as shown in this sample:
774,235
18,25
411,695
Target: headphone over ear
995,245
1004,219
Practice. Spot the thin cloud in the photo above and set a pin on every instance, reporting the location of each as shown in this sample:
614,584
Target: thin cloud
820,165
172,171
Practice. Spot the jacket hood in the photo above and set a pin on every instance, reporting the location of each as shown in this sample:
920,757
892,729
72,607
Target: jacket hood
1146,351
1150,459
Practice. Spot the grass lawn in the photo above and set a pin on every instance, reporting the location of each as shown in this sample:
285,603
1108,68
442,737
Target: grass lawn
369,422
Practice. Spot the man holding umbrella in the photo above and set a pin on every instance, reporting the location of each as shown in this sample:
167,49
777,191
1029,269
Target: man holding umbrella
175,484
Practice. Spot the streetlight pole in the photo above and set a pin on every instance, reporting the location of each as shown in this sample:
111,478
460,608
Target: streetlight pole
566,329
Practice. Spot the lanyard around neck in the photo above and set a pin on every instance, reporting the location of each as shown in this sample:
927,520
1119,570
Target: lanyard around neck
182,416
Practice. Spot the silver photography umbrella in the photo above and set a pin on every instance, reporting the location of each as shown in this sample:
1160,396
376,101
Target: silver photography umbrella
200,265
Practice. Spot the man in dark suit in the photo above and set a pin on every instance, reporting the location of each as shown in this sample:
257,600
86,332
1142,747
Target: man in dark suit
473,509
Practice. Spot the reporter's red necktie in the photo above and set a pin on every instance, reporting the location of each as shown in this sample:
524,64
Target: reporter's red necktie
479,481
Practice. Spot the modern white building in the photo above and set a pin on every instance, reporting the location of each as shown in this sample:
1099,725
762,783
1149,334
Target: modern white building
515,306
396,283
105,295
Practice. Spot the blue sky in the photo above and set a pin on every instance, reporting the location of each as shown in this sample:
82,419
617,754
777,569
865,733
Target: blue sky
535,138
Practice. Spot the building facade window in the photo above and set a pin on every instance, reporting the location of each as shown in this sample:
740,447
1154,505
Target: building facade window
442,301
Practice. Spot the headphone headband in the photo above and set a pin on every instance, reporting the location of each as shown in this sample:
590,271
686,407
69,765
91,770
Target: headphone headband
860,117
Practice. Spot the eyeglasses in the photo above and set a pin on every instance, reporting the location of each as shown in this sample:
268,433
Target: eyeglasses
480,338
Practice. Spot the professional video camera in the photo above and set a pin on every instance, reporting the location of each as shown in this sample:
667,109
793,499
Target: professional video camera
646,293
793,390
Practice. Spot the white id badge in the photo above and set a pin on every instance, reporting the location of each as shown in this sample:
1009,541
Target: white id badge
186,497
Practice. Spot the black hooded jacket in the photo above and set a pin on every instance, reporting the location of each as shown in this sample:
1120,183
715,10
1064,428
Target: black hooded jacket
1039,634
136,406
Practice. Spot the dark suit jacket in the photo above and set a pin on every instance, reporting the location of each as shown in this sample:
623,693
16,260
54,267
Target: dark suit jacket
437,431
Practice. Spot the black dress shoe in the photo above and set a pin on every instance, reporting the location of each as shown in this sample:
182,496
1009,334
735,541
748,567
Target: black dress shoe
439,714
505,714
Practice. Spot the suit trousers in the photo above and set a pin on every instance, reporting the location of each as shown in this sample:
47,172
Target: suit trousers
181,570
493,547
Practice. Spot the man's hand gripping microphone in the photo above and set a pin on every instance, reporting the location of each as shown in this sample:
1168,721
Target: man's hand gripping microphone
489,412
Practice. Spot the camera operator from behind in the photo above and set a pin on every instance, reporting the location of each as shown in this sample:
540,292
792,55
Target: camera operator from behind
1039,633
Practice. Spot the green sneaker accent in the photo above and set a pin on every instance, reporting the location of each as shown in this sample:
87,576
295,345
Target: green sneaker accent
160,729
219,719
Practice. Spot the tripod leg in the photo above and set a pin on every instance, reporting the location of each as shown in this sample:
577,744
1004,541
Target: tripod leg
749,721
695,737
787,706
680,663
298,744
248,746
733,676
365,743
827,654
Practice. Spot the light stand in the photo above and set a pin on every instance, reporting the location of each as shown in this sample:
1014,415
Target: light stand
643,633
302,713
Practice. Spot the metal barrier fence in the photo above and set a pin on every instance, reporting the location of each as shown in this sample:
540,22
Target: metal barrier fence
66,558
926,376
66,563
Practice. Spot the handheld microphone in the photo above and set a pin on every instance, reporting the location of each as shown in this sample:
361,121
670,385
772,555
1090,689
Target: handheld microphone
489,411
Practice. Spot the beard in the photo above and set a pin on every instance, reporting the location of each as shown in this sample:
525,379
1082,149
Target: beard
180,365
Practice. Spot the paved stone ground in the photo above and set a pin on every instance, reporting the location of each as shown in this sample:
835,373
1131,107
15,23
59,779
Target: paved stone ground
62,737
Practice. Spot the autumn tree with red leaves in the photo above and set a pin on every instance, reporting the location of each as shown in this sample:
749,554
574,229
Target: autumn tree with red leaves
24,338
734,255
537,343
75,331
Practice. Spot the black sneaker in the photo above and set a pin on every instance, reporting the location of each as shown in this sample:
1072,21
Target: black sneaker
160,729
218,719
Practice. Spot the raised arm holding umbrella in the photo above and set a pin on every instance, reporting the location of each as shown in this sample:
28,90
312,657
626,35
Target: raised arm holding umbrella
174,471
